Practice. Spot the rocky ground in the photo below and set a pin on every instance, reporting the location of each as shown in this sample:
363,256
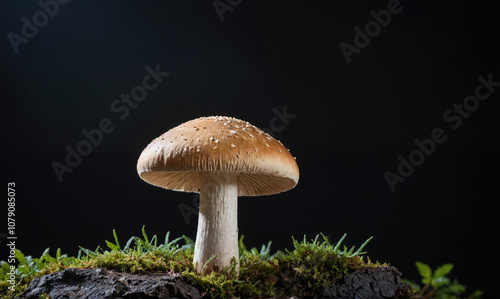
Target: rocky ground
366,283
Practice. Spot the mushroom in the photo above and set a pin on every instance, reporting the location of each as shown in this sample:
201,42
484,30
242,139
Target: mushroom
221,158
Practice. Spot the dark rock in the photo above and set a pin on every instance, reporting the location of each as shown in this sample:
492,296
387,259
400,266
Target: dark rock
366,283
103,284
369,283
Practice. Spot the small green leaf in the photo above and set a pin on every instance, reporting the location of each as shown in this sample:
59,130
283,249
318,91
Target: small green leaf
19,256
337,246
426,280
439,282
129,242
23,270
144,234
443,270
265,251
206,263
241,246
456,288
153,244
89,252
477,294
359,252
118,247
325,239
425,271
5,266
315,242
167,236
46,258
112,246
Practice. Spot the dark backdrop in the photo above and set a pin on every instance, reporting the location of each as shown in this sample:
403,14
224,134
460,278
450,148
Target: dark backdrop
278,65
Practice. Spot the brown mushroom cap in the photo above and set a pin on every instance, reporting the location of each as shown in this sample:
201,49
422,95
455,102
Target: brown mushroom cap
218,144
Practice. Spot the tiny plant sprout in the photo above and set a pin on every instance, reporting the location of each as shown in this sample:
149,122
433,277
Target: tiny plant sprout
221,158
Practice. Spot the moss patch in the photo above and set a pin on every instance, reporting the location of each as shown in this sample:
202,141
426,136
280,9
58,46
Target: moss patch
303,271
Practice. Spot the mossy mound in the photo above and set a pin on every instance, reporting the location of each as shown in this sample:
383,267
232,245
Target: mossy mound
306,271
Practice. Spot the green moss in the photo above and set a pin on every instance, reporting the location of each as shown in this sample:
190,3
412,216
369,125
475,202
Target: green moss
303,271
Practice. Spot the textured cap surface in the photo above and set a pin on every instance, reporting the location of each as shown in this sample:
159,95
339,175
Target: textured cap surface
218,144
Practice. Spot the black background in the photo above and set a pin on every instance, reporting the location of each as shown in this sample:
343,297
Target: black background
351,122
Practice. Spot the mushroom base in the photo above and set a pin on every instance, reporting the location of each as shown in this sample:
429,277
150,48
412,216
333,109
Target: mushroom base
217,236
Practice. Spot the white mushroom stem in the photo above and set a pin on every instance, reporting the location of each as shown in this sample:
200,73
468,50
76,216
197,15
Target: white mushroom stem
217,223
